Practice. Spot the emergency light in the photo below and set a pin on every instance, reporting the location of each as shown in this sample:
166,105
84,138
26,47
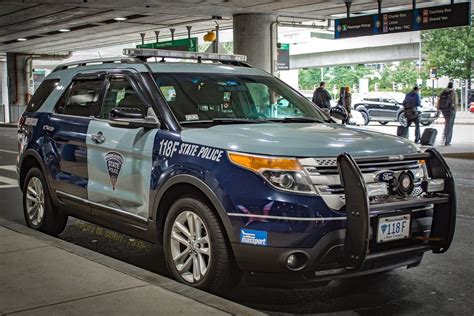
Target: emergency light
147,53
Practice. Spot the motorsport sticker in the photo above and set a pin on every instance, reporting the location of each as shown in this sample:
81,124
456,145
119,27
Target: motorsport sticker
114,162
254,237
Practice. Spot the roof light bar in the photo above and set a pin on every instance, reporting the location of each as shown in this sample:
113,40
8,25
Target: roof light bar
147,52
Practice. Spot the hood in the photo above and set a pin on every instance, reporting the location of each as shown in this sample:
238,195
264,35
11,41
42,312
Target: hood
298,140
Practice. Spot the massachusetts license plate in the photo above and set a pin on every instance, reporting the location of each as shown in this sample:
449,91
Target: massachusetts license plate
393,228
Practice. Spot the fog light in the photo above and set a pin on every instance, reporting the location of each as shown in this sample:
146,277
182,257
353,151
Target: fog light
292,261
433,185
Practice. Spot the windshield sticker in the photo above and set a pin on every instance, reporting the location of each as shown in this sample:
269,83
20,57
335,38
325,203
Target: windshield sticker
192,117
114,162
168,148
254,237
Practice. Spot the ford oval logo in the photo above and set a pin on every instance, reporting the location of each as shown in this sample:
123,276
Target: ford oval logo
384,176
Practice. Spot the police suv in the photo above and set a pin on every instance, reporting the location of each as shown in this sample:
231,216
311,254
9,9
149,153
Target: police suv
197,152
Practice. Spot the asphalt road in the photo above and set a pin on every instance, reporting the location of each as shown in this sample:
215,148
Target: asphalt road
441,285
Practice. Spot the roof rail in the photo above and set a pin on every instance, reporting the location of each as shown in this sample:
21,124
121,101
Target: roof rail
112,60
145,53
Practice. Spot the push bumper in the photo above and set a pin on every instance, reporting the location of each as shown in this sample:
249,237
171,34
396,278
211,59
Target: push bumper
351,251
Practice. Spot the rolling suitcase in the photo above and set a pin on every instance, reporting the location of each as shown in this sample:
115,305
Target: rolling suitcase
402,131
428,137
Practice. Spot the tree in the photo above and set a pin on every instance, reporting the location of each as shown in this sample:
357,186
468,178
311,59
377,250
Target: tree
449,50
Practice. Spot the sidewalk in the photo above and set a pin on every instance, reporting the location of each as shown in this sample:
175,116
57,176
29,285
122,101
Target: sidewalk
43,275
462,118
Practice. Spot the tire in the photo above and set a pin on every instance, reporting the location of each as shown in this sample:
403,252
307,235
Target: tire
383,122
220,271
365,116
38,209
426,123
402,119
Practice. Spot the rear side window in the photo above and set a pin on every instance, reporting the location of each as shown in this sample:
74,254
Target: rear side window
41,94
82,99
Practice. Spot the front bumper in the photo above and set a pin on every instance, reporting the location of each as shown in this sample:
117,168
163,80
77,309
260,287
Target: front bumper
352,251
429,116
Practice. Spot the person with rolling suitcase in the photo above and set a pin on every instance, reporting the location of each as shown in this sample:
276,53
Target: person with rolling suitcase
410,105
447,105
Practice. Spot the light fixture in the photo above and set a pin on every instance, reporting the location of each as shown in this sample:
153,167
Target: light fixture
21,39
120,19
64,30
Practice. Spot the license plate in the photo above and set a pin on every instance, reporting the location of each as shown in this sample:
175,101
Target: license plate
393,228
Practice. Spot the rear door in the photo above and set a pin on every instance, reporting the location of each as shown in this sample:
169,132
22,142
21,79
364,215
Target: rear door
67,133
119,160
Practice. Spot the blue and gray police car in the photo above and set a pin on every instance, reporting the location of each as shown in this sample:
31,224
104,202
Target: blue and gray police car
231,170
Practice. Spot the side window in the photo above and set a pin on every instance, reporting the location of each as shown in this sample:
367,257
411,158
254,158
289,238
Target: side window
121,94
41,94
82,99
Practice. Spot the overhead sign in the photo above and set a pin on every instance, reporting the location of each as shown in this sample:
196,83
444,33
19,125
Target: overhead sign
184,44
450,15
283,57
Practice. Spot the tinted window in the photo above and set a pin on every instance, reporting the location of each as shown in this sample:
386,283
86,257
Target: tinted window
41,94
82,99
121,94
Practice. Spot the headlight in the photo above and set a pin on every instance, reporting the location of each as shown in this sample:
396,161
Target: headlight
283,173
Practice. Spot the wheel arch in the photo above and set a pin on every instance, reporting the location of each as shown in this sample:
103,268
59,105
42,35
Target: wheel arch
29,160
193,186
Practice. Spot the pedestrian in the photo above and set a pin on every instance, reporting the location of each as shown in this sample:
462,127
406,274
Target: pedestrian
321,96
410,105
345,100
447,105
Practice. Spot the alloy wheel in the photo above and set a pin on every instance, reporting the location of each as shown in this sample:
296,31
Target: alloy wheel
190,246
35,201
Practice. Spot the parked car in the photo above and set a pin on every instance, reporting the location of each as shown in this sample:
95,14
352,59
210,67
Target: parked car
200,158
385,107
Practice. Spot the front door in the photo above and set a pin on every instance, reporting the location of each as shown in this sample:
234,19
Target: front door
119,160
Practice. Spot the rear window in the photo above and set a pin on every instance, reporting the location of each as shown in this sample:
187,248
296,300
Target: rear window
41,94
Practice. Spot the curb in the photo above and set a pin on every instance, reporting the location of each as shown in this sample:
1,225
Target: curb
133,271
462,155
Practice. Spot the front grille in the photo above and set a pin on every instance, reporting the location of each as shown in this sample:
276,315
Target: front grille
325,176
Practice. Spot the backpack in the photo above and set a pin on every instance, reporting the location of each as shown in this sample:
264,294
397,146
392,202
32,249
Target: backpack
445,100
409,102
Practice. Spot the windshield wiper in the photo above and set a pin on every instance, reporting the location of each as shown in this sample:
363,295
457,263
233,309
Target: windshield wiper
223,120
296,120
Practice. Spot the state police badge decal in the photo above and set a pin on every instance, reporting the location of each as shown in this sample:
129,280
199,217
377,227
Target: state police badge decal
114,162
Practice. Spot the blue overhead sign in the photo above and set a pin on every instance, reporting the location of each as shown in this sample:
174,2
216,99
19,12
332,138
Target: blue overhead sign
450,15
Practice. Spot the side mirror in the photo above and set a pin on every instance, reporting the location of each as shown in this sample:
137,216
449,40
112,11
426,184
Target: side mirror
339,113
131,118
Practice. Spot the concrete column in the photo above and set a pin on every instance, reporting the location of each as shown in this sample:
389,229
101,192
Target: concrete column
19,68
252,38
3,90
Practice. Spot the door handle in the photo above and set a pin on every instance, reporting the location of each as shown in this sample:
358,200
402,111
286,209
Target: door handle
98,138
48,128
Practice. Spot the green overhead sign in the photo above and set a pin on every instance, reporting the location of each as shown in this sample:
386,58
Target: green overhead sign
283,56
184,44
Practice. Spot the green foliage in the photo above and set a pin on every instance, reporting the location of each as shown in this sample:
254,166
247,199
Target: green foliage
384,76
450,50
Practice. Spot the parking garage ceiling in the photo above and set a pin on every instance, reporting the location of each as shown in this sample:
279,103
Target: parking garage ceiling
47,26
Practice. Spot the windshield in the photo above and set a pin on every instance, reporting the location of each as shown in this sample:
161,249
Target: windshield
217,98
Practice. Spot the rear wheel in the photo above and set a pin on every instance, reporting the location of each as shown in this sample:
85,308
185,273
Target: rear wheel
426,123
39,211
365,116
402,119
196,249
383,122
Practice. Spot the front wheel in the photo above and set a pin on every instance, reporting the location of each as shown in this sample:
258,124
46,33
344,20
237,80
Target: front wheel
38,209
426,123
196,250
